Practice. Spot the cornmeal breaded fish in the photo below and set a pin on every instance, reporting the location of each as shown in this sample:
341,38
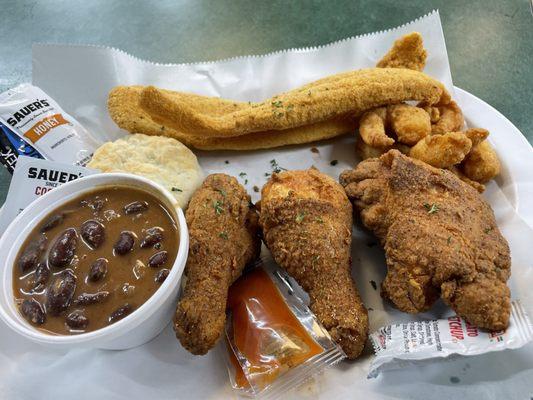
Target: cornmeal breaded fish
223,239
124,109
407,52
349,93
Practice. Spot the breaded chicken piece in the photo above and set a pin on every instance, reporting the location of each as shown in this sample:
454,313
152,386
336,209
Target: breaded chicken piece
307,225
223,234
407,52
440,238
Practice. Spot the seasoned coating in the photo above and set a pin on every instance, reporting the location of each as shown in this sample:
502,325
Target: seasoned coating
307,225
124,109
482,163
440,238
476,135
223,239
410,123
434,113
372,128
349,93
407,52
458,173
451,119
442,151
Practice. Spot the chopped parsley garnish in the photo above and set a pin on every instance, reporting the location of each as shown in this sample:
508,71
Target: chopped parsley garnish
277,103
300,217
256,189
221,191
275,166
449,240
487,230
175,189
289,107
431,208
223,235
242,174
217,205
309,93
319,220
334,162
316,258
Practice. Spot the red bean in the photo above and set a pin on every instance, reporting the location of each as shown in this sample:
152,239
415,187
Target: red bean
63,250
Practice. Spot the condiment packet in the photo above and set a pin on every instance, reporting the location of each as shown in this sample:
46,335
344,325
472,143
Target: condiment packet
12,146
274,341
38,120
402,344
32,178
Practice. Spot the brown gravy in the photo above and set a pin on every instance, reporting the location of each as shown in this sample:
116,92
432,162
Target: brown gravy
94,260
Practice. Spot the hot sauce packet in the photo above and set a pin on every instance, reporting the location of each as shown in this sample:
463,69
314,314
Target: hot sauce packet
273,339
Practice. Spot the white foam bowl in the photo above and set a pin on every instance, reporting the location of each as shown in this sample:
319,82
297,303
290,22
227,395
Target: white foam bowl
140,326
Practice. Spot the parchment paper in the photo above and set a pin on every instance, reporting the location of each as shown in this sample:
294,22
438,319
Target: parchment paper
79,78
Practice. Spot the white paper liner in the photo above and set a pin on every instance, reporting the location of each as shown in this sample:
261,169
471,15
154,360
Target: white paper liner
79,78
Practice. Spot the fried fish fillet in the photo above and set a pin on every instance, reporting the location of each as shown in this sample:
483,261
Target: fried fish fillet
125,111
349,93
440,238
223,231
407,52
307,225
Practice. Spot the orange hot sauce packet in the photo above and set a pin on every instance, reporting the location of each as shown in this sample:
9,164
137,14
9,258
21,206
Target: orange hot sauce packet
271,332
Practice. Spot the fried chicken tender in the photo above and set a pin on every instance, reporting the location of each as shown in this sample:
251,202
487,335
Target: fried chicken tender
409,123
407,52
125,111
223,231
440,238
442,151
307,225
451,119
482,164
349,93
372,128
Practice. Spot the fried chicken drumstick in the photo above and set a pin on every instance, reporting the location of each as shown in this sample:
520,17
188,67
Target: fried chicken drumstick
223,229
307,225
440,238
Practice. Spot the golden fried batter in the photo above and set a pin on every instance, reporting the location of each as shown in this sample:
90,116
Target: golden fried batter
409,123
223,239
476,135
451,119
307,225
442,151
482,163
349,93
407,52
372,128
440,238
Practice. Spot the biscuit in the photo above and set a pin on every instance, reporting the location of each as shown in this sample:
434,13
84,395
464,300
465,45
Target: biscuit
160,159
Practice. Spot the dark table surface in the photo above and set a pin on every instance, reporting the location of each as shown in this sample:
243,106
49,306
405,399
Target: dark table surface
490,42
